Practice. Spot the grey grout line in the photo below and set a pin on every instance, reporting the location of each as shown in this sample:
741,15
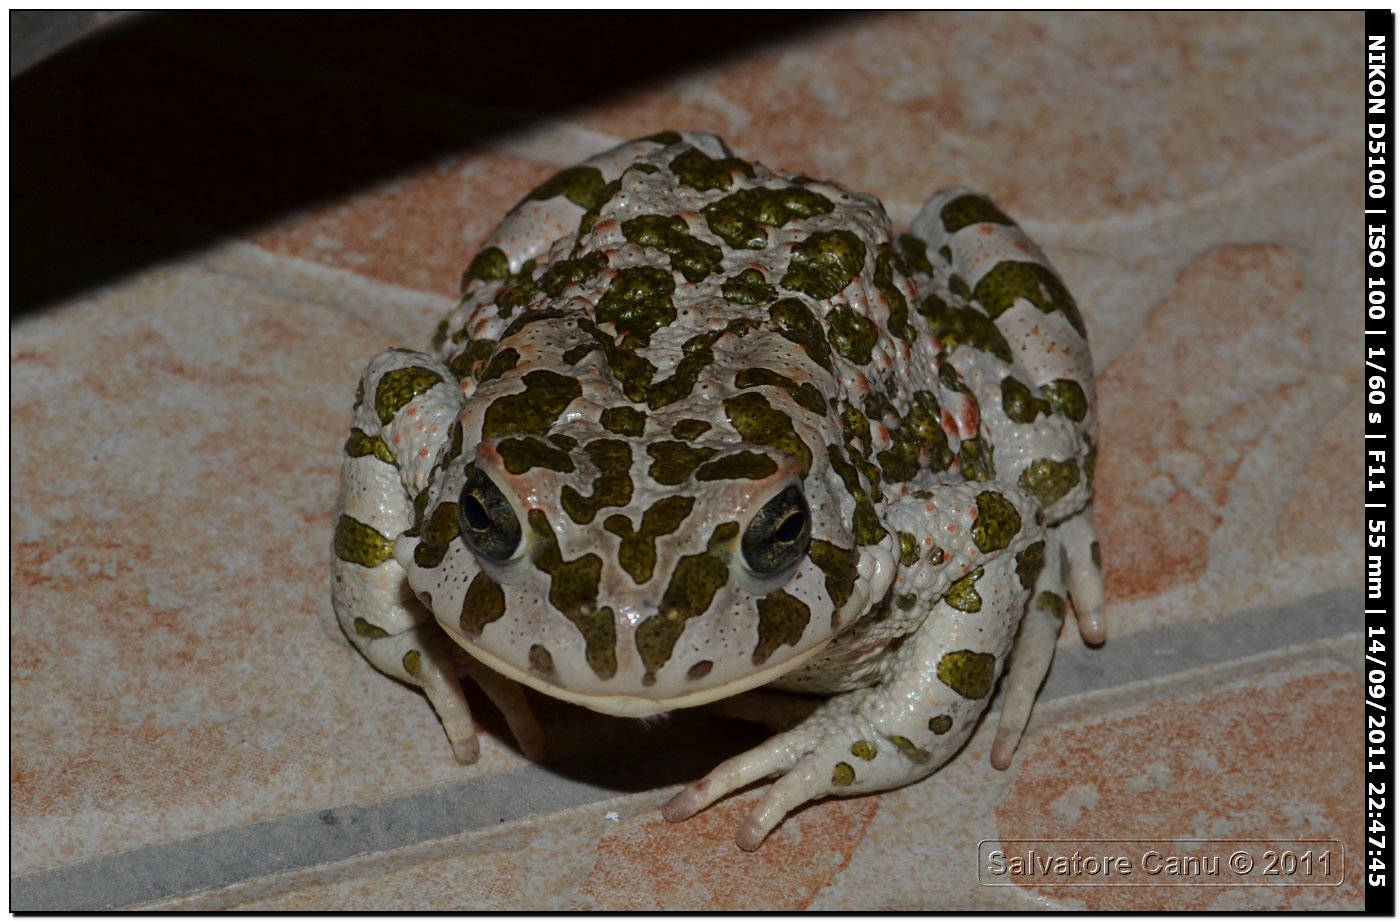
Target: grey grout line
304,840
1174,648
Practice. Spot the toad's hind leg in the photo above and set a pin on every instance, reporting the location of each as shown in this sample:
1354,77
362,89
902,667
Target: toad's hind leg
1084,574
1070,551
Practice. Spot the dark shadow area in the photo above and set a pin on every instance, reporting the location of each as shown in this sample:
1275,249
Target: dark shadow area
621,754
170,131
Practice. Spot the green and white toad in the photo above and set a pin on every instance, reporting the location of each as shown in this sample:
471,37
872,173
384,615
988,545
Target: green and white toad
698,426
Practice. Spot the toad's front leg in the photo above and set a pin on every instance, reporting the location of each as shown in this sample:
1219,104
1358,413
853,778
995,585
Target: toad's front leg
405,411
939,682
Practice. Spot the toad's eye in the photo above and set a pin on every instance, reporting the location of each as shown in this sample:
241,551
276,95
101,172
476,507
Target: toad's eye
779,534
487,521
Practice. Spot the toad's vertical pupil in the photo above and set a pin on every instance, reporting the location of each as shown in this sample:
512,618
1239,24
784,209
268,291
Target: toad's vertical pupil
475,513
790,527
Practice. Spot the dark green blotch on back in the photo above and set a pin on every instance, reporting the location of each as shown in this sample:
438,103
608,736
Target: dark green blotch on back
517,291
975,458
468,362
576,353
533,411
503,361
824,264
1019,403
529,317
915,254
488,266
420,507
689,429
866,522
1067,397
521,455
879,407
631,370
639,301
853,335
605,195
1049,480
921,429
997,523
664,138
804,395
741,218
959,326
573,590
758,422
748,287
579,184
746,465
855,429
565,272
796,324
887,262
624,421
701,172
971,209
692,258
698,354
674,462
1009,281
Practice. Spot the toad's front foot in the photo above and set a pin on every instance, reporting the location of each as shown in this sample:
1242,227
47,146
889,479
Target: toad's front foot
836,751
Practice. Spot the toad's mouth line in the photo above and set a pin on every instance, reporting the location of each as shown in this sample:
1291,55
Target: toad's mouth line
636,704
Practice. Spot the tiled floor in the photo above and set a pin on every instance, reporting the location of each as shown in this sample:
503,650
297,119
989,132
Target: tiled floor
217,220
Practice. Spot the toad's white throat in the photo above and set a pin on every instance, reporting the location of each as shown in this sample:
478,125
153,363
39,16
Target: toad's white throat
636,705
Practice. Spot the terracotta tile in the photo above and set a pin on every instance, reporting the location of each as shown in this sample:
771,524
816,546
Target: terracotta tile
201,679
903,104
656,865
1258,757
1171,451
420,229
